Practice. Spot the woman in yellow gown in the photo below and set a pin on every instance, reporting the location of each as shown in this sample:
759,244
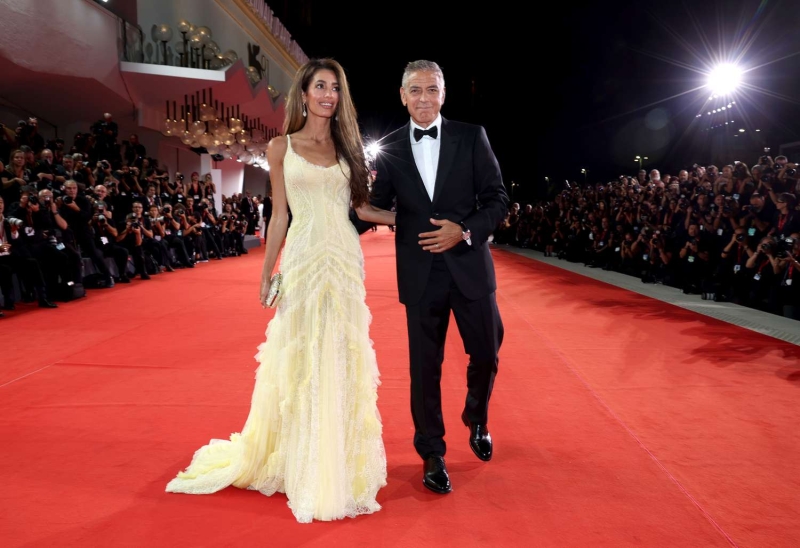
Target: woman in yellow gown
313,431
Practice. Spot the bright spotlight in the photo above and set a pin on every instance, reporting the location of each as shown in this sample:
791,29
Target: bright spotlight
373,149
741,131
724,79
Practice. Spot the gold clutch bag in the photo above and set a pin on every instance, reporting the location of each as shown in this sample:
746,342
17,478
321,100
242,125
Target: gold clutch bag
274,290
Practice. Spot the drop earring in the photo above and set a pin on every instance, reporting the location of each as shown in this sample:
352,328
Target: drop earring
305,111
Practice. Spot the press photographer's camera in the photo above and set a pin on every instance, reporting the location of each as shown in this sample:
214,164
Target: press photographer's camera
784,247
134,220
13,221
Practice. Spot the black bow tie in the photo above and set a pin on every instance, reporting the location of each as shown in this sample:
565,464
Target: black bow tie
433,133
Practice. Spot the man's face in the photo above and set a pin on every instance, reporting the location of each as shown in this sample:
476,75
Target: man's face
101,192
134,140
71,190
683,175
693,229
151,192
30,158
47,156
154,211
423,95
67,163
756,201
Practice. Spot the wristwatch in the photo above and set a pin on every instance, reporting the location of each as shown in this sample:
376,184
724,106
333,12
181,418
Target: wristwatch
466,235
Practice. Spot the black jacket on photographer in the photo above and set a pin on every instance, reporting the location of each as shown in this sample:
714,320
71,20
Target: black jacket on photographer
78,221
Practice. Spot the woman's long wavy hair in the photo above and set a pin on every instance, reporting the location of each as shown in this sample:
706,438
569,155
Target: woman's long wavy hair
344,124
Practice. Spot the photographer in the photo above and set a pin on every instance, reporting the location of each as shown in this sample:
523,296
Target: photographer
208,223
135,152
787,219
232,240
150,198
176,190
16,257
78,211
629,261
105,133
173,236
789,275
154,232
14,177
763,269
758,216
131,238
602,245
106,234
193,236
657,258
44,227
695,260
45,172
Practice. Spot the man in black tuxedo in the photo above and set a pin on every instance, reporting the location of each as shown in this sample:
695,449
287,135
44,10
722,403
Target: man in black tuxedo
449,198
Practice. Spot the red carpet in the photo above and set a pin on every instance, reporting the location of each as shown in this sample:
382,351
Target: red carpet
618,420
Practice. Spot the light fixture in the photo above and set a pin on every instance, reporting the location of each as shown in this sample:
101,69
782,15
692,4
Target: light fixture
758,130
724,79
741,130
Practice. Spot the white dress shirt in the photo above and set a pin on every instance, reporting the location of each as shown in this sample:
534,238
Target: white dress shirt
426,154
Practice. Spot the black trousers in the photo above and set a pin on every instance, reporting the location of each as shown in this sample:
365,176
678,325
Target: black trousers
481,331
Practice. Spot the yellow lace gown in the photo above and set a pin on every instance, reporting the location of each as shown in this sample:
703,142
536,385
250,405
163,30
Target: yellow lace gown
314,431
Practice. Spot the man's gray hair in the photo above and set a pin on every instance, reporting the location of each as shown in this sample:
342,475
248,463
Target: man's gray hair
415,66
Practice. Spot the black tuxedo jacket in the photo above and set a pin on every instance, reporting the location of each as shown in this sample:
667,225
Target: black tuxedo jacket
469,190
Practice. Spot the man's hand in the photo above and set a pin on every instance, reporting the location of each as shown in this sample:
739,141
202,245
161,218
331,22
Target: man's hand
443,239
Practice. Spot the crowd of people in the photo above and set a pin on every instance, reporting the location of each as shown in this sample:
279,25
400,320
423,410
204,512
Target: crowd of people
103,200
729,234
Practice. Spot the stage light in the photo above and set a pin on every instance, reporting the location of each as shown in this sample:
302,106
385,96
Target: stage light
373,149
724,79
741,131
758,130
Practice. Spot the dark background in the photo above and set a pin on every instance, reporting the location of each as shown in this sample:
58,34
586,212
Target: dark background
571,85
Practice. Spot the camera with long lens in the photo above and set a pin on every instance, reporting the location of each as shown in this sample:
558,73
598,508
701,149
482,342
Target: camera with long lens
100,219
33,200
764,160
791,173
784,247
767,175
224,218
167,210
66,200
767,247
13,221
100,206
156,219
741,237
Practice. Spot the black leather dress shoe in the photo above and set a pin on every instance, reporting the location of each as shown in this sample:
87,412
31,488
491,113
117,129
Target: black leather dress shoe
44,303
435,476
480,441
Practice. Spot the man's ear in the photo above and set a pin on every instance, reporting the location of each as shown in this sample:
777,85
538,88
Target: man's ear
403,96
